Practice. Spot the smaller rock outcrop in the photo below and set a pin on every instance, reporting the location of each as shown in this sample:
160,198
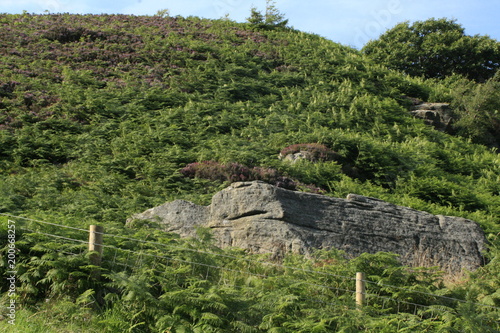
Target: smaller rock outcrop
313,152
301,155
267,219
438,115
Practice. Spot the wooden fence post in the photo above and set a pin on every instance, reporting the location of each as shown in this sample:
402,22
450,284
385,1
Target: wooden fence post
95,244
360,290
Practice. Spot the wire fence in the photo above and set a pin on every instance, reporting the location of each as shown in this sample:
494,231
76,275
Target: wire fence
168,258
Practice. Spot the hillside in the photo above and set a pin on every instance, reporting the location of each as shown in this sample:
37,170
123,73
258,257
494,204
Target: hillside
104,116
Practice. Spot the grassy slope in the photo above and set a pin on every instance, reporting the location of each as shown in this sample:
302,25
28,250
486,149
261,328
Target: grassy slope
99,113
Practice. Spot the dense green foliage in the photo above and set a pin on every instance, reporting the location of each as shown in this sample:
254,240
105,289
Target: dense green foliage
476,109
436,48
100,115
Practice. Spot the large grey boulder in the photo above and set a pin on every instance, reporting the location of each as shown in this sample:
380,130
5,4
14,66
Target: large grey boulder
267,219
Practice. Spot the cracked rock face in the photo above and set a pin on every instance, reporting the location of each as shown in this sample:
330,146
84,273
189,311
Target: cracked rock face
266,219
438,115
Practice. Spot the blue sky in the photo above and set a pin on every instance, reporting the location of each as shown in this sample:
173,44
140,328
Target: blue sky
350,22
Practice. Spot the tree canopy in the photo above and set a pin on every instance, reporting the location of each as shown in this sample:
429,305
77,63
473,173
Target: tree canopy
436,48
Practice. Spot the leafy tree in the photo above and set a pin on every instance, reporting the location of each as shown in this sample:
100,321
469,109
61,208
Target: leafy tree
163,13
477,108
273,15
436,48
272,18
256,16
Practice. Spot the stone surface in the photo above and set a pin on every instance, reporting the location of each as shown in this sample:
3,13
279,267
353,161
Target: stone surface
438,115
266,219
301,155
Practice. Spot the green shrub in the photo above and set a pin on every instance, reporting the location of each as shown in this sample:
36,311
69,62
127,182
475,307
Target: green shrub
234,172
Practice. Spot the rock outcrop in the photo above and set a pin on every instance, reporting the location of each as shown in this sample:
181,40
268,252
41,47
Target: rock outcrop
438,115
266,219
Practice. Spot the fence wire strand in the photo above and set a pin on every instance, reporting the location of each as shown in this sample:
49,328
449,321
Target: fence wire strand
44,222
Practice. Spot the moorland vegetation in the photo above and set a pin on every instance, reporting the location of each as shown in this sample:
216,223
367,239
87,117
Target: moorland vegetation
104,116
